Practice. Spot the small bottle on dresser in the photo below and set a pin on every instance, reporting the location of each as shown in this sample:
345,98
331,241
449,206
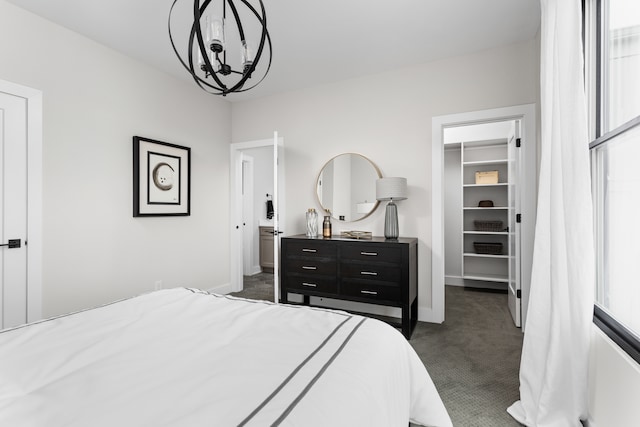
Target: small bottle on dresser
326,225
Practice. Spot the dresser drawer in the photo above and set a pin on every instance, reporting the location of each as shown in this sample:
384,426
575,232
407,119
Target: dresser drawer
311,267
373,292
371,253
312,284
311,249
370,271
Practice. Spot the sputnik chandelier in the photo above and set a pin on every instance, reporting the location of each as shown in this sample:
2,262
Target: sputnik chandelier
221,53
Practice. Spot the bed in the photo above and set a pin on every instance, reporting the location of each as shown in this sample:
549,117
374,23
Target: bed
185,357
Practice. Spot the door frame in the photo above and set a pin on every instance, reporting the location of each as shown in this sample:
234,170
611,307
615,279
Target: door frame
33,240
527,115
235,215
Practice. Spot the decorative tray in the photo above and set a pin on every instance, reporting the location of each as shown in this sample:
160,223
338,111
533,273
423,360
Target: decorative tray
356,234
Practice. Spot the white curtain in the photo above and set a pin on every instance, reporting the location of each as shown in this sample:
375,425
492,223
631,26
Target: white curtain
554,364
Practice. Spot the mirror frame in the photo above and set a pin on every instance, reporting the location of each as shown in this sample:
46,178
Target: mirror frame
323,210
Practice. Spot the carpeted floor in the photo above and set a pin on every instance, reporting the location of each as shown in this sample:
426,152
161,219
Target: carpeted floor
473,357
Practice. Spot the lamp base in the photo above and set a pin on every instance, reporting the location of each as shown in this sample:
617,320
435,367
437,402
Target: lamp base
391,221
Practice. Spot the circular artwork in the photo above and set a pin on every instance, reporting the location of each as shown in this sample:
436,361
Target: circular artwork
163,176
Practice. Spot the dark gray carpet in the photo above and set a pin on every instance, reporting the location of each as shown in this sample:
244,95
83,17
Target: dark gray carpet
258,286
473,357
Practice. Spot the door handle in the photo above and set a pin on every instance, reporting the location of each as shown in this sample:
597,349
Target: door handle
13,243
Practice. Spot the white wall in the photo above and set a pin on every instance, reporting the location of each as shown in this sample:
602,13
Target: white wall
479,132
95,101
614,384
452,216
387,118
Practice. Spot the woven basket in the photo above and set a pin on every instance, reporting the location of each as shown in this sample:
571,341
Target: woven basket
485,203
488,248
482,225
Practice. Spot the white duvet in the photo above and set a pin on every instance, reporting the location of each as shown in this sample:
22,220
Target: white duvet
183,357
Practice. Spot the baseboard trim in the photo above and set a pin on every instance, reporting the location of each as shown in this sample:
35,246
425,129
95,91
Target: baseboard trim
222,289
479,284
453,281
427,315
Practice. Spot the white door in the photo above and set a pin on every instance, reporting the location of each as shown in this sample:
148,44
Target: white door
514,293
13,210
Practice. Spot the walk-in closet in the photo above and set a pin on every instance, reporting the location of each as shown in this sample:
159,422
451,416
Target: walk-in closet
482,208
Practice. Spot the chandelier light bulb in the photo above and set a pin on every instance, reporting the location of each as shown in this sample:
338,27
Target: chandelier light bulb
215,34
248,55
201,63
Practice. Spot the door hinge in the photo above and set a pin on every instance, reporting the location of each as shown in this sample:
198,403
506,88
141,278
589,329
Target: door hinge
518,142
519,293
518,217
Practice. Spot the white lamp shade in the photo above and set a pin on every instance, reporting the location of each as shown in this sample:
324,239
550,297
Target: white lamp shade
393,188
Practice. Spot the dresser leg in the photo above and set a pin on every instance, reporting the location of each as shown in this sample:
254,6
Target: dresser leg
409,318
406,321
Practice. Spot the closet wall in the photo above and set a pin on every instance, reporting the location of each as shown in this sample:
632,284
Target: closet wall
452,215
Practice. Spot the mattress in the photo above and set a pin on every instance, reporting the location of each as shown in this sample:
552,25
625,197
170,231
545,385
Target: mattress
184,357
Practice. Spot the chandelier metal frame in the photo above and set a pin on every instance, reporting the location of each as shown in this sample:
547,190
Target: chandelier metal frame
222,69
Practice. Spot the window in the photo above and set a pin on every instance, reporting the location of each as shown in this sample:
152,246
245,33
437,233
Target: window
620,62
612,40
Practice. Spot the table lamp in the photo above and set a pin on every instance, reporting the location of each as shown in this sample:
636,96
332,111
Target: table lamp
391,189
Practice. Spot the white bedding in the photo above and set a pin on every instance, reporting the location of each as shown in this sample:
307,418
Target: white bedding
183,357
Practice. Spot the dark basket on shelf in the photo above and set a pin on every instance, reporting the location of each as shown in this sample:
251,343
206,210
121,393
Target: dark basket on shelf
488,248
485,203
482,225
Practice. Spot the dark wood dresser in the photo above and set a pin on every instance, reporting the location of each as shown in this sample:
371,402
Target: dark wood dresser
375,271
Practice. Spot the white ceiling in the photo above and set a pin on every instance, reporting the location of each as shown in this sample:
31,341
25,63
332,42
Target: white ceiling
314,42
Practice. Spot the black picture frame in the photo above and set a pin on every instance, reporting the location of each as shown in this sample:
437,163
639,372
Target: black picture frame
161,178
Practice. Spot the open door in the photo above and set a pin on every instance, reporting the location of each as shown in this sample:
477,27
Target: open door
278,193
514,158
13,208
238,152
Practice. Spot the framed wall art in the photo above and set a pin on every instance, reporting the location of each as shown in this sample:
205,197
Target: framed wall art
161,178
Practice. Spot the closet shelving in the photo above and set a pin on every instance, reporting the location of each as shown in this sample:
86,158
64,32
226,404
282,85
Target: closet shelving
481,156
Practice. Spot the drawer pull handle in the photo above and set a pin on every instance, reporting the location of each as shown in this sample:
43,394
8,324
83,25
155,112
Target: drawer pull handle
369,292
369,253
309,267
311,285
368,273
313,251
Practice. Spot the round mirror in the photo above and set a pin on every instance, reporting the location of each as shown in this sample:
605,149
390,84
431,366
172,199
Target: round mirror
346,186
